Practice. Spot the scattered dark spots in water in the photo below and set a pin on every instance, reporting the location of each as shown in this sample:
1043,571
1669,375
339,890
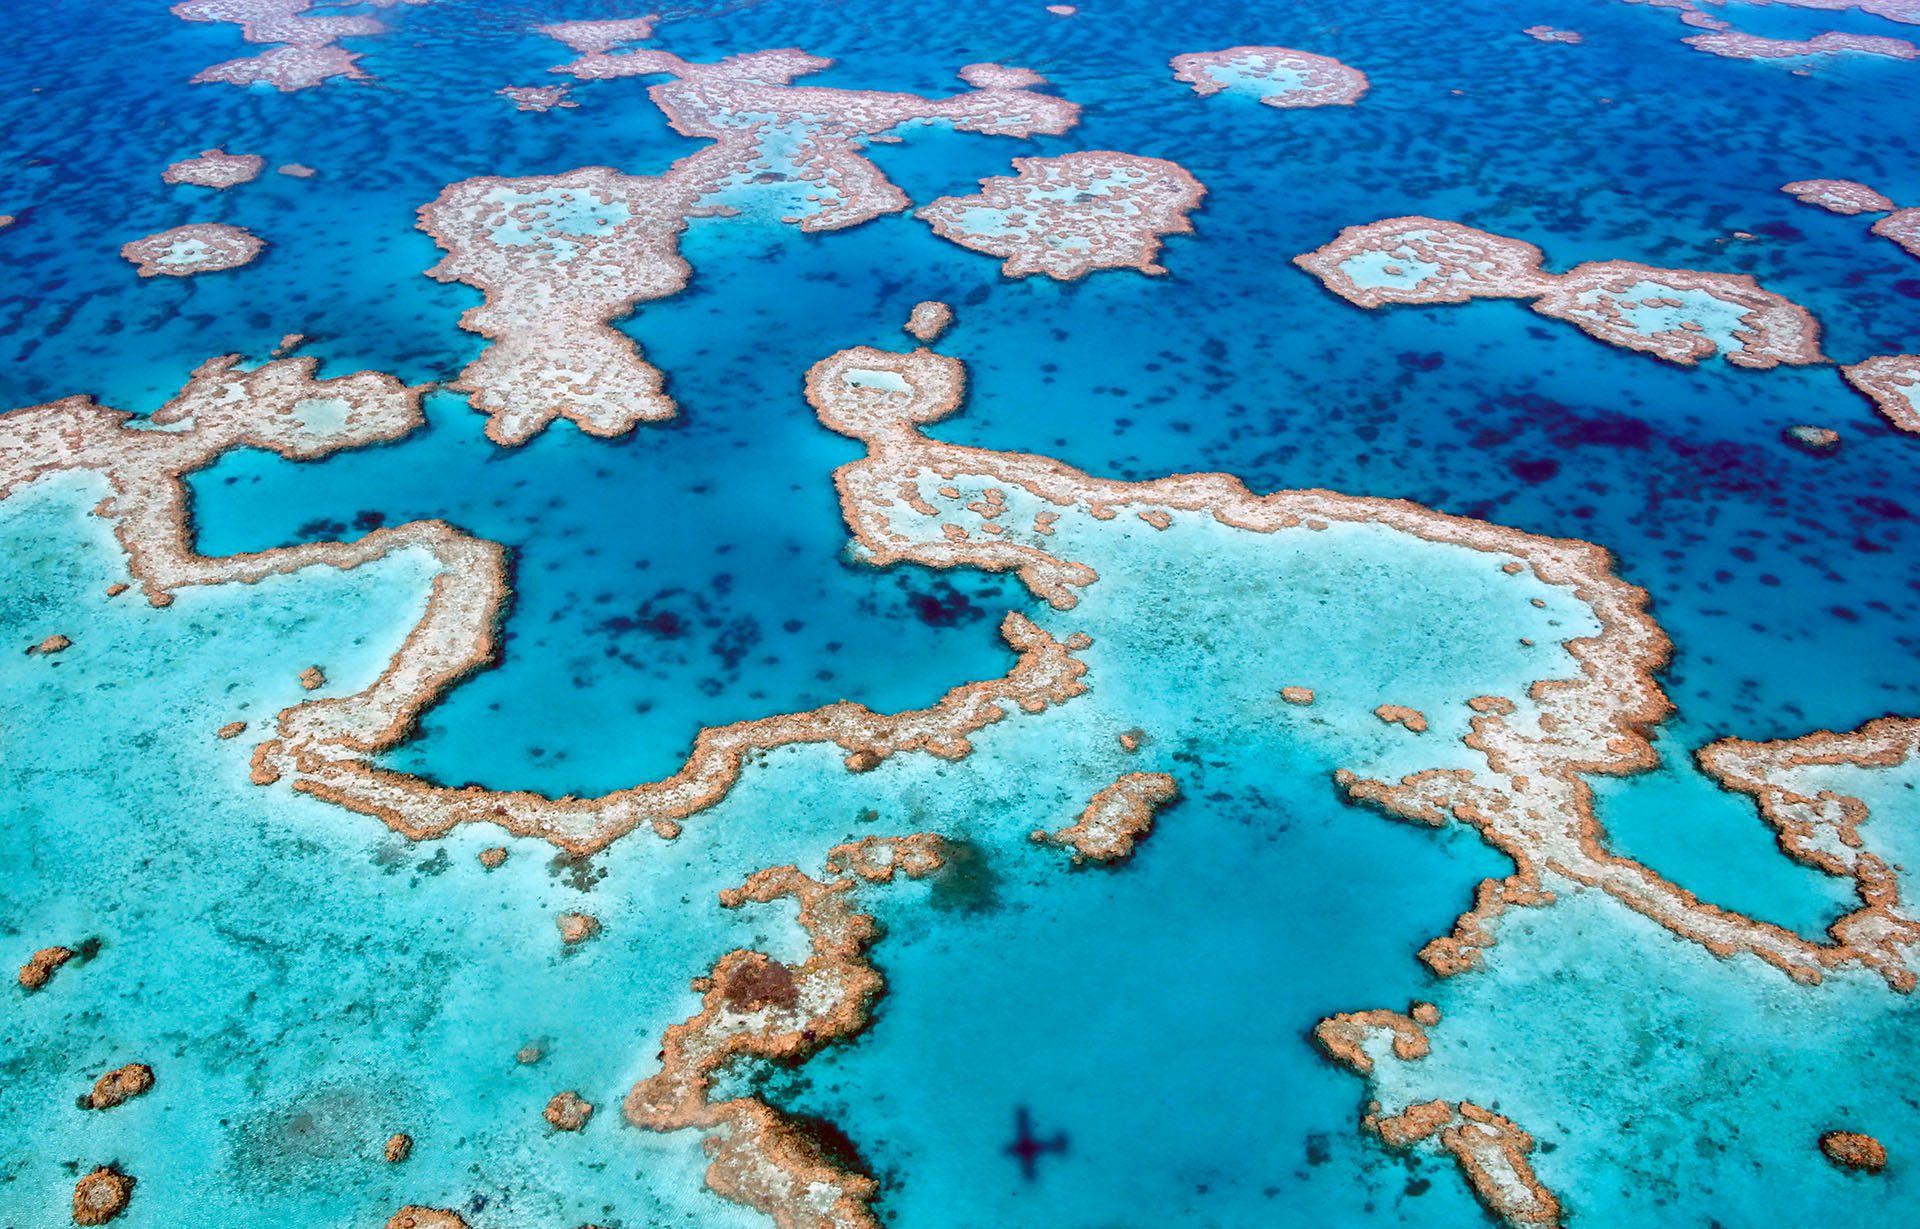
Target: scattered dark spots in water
1606,430
1907,288
1417,361
321,529
436,865
1883,508
651,618
1779,230
735,641
390,856
944,606
1533,470
1418,1186
1844,614
577,870
1318,1152
368,519
966,882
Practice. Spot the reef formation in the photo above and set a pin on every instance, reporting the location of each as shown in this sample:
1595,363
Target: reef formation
755,1007
1681,315
612,240
1276,76
215,168
1067,216
305,50
202,247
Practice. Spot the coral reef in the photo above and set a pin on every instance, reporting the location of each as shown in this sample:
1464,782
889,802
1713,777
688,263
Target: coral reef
215,168
1838,196
119,1086
561,257
201,247
756,1007
306,51
101,1195
1277,76
577,927
536,97
1117,818
1892,383
39,970
567,1111
1681,315
1069,215
1853,1150
415,1217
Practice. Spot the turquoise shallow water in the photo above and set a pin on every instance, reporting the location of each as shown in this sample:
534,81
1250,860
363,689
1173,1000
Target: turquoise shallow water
305,983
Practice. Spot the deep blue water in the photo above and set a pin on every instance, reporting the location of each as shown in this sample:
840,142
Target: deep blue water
692,573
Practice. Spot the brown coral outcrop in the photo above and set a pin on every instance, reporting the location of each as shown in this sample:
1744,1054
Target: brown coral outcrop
1344,1037
38,970
1854,1150
1118,817
101,1195
567,1111
1399,714
577,927
119,1086
415,1217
